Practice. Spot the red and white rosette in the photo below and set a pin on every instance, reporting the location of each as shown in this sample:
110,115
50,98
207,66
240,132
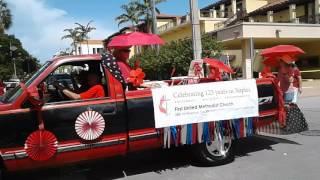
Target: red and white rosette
89,125
41,145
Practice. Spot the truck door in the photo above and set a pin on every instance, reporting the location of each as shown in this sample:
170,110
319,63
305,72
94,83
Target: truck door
67,118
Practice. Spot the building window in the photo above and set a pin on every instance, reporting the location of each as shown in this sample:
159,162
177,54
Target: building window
94,50
99,50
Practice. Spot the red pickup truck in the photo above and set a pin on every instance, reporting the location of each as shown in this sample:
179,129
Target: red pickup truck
128,115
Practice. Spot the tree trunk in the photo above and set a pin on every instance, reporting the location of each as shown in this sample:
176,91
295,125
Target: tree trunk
88,45
75,48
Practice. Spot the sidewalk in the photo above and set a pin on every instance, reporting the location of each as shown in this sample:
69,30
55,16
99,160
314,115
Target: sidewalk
310,88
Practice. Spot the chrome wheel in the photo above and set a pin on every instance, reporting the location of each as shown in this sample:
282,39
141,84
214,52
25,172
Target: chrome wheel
219,147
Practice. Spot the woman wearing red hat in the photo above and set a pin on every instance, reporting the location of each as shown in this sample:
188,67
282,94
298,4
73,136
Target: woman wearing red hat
122,55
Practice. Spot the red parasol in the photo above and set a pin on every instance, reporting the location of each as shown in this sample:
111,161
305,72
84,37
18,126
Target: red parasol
282,50
135,39
218,64
41,145
136,77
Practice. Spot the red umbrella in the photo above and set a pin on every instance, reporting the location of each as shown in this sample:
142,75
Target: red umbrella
135,39
282,50
218,64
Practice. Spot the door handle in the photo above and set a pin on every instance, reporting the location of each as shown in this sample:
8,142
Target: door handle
109,110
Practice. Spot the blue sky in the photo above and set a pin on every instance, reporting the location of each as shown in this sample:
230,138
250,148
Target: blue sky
107,10
39,24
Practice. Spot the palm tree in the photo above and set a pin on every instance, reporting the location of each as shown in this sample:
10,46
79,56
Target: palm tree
131,14
145,10
84,31
73,34
5,17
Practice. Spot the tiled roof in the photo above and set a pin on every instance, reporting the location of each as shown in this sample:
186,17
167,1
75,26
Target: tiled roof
215,4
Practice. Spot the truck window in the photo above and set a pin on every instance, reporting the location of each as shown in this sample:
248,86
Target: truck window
74,77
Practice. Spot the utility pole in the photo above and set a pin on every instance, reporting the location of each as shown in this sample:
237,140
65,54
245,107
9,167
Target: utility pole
154,17
196,35
13,48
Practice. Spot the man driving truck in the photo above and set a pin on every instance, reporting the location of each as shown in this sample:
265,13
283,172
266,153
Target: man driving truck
95,91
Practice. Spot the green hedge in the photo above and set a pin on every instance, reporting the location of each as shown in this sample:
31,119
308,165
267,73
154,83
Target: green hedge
158,64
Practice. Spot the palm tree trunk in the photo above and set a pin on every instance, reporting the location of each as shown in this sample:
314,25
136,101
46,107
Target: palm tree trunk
75,48
88,45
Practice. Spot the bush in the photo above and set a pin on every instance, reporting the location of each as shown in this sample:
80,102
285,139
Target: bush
158,64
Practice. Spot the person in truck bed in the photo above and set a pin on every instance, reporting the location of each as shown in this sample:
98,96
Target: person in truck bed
122,55
95,91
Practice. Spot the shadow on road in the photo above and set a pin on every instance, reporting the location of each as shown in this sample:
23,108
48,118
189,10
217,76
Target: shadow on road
157,161
258,143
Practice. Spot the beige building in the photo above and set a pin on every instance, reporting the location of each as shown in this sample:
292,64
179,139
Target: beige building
90,47
242,25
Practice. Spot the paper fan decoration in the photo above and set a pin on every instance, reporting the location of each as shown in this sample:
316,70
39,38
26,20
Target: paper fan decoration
90,125
136,77
41,145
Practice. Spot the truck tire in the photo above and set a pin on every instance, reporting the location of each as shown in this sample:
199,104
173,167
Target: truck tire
212,154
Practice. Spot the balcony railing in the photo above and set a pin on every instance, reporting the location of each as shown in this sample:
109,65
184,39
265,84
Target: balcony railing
239,16
205,14
166,26
312,19
171,24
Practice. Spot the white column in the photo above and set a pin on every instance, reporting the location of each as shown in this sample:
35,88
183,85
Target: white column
222,10
246,59
292,12
188,17
317,10
178,21
234,7
213,13
270,16
251,19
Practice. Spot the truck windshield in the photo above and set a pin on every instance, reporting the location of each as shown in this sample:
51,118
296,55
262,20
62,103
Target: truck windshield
14,93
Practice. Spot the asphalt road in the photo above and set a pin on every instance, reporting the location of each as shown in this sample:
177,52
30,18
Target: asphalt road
285,157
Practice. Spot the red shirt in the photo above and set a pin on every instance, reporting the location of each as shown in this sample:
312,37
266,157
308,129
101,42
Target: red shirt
296,74
125,69
215,74
284,74
95,91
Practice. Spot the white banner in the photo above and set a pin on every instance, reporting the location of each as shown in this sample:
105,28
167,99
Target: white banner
186,104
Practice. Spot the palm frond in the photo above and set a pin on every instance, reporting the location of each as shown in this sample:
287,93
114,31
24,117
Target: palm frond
6,16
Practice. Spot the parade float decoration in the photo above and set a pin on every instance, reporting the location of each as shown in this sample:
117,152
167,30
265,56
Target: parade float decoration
196,113
89,125
136,77
41,144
